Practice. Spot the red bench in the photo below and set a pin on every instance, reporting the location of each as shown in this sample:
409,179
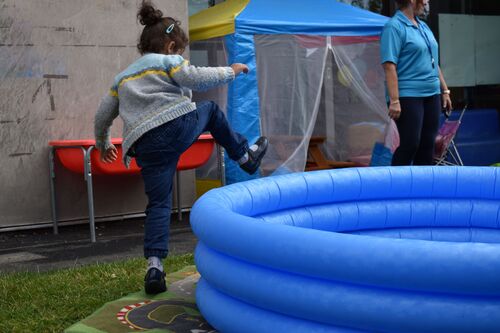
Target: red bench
80,156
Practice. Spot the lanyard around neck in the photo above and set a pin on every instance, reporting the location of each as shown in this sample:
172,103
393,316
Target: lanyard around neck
427,42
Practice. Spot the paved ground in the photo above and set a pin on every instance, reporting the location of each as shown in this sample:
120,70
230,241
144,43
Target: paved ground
40,250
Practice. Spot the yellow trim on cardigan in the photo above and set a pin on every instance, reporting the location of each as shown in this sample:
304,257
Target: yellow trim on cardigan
177,68
141,75
113,93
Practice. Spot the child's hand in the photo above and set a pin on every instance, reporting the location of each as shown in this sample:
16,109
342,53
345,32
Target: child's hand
110,155
239,68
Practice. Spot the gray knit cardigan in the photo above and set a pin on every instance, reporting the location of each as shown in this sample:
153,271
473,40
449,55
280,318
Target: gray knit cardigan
153,90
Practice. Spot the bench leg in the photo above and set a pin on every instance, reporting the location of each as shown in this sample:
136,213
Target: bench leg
90,193
178,195
52,176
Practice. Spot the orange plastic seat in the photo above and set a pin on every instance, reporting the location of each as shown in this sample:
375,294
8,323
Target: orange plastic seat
198,154
80,156
70,155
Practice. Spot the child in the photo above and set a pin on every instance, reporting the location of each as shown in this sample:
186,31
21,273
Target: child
153,98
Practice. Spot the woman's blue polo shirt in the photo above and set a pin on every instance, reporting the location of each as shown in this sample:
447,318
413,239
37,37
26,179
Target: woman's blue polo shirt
414,50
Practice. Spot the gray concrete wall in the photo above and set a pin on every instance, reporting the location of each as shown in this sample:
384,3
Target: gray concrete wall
57,59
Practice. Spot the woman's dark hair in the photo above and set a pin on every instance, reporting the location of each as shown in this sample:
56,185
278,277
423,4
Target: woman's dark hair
157,32
403,3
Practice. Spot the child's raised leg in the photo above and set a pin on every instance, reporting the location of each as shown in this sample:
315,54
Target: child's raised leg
212,119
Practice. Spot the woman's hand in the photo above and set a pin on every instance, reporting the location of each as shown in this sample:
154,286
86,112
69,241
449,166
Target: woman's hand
394,109
110,155
239,68
445,93
446,103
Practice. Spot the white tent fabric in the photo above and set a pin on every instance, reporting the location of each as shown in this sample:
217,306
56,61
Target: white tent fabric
210,52
326,87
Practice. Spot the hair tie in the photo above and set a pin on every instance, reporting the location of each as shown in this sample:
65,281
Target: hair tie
170,28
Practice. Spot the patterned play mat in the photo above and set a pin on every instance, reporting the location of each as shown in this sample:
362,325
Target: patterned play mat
172,311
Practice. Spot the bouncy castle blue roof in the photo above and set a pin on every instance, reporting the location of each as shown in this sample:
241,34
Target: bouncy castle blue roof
313,17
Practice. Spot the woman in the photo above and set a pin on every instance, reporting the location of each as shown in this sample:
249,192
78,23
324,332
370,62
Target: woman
415,84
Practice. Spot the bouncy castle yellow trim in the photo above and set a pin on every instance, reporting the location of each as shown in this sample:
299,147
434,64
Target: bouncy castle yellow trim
215,21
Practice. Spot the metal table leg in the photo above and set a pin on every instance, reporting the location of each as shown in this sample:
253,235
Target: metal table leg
221,166
52,176
178,191
90,194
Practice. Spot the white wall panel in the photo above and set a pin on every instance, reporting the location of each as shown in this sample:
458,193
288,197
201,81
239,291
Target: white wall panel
469,49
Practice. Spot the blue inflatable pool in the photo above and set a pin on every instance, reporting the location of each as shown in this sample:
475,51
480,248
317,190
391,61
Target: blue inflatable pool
407,249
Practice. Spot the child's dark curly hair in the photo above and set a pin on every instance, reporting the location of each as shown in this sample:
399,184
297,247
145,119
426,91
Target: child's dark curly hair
156,33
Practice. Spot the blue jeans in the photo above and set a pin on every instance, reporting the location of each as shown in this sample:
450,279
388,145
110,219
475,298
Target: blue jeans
157,153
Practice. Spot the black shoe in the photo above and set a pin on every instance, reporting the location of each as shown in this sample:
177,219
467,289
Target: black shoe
255,156
154,281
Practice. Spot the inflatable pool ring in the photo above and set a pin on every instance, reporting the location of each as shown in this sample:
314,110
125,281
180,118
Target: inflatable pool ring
401,249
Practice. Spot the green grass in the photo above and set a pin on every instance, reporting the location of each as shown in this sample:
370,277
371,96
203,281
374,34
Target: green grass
53,301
